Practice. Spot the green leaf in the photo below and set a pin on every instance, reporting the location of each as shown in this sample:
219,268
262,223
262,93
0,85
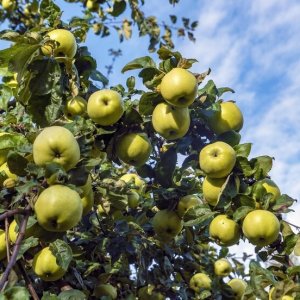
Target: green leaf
283,203
223,90
297,247
6,94
132,116
12,140
63,253
173,19
243,150
72,295
151,77
130,83
118,8
165,53
15,293
98,76
205,218
27,244
262,166
293,270
241,212
139,63
48,296
210,88
244,165
17,163
148,101
50,11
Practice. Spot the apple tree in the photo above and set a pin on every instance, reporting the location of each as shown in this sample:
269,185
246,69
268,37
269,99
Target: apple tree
132,191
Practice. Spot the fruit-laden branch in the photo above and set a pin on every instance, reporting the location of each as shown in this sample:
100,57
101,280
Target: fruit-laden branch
16,248
10,213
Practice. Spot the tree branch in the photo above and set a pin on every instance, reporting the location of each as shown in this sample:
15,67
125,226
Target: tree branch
10,213
7,239
16,248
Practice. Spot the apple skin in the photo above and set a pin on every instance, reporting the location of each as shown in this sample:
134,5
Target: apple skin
134,179
44,265
225,231
8,5
87,196
200,281
166,224
105,107
272,188
58,208
3,252
76,106
133,199
171,122
5,170
239,287
261,227
56,144
217,159
211,189
222,267
179,87
185,203
107,290
67,43
134,149
229,118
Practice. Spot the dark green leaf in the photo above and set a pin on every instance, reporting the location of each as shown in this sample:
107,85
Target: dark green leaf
132,116
262,166
165,53
63,253
139,63
49,10
148,101
17,163
130,82
72,295
243,149
173,19
27,244
223,90
98,76
5,95
48,296
241,212
210,88
12,140
15,293
118,8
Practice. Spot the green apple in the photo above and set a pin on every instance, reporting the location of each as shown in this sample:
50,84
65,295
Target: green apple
8,5
148,293
211,189
271,187
133,199
228,118
6,173
3,251
87,196
56,144
230,137
171,122
66,43
134,149
225,231
200,281
105,289
217,159
166,224
92,5
136,180
58,208
239,287
185,203
222,267
75,106
179,87
44,265
105,107
261,227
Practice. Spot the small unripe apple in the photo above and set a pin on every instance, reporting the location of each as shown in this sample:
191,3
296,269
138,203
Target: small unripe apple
200,281
222,267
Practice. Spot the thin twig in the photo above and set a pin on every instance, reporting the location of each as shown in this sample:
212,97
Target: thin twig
16,248
28,281
12,212
7,239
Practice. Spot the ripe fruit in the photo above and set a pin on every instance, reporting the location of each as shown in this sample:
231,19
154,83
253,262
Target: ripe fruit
107,290
5,173
261,227
87,196
217,159
239,287
76,106
134,179
211,189
58,208
148,293
225,231
8,4
105,107
222,267
185,203
166,224
179,87
56,144
2,244
200,281
171,122
133,199
66,43
228,118
45,266
134,149
271,188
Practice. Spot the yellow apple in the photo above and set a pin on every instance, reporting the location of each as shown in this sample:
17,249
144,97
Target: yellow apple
148,293
56,144
200,281
8,4
134,149
261,227
133,199
171,122
271,187
66,43
105,107
134,179
287,297
228,118
58,208
185,203
222,267
92,5
87,196
107,290
179,87
217,159
76,106
44,265
239,287
4,170
3,251
211,189
225,231
166,224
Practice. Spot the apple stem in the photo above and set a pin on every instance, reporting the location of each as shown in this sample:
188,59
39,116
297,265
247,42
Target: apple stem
28,281
17,246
